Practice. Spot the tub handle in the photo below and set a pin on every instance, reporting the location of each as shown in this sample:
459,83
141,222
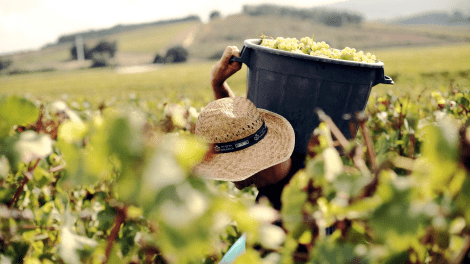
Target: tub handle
388,80
245,55
382,78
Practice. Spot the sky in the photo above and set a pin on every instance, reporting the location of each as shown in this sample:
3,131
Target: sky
31,24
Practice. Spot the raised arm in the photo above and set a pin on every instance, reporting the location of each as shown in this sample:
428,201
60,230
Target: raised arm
222,70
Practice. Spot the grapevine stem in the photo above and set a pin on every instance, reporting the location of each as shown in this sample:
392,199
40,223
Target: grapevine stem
369,144
411,152
334,129
18,192
57,168
27,177
39,123
118,221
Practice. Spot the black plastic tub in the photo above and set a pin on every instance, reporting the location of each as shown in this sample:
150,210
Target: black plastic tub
295,85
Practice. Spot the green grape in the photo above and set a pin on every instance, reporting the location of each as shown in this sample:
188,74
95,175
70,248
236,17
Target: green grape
289,46
306,45
346,56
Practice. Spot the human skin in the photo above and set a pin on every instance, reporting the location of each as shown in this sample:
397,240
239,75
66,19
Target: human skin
220,72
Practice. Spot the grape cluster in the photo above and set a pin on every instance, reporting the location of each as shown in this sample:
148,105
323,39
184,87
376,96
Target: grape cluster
321,49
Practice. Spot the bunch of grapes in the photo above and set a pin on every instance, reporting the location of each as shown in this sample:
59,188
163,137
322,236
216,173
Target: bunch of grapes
321,49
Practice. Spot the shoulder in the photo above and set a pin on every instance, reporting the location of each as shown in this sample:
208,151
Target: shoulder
298,161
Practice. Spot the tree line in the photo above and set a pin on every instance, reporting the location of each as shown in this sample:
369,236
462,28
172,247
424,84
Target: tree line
319,15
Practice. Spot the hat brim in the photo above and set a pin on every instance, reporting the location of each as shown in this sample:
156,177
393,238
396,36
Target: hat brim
276,147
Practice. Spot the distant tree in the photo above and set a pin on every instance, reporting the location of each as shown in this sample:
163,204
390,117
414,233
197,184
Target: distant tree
214,14
333,20
176,54
105,47
4,63
353,18
158,59
320,15
87,51
100,59
458,15
102,53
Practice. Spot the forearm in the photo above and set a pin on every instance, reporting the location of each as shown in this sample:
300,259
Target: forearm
222,91
222,70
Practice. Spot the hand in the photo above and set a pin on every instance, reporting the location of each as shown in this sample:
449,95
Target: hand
223,69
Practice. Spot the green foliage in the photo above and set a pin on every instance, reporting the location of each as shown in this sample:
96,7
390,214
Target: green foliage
105,47
113,183
102,53
176,54
15,111
158,59
4,63
112,176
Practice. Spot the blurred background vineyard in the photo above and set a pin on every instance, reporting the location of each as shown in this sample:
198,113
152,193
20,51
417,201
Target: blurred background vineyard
95,162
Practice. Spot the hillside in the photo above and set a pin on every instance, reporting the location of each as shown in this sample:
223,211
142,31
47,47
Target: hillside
137,47
435,18
386,10
235,29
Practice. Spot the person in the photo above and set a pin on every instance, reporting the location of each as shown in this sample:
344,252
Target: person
249,146
269,163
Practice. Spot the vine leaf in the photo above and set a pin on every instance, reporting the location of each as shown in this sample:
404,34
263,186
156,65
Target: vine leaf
71,242
16,111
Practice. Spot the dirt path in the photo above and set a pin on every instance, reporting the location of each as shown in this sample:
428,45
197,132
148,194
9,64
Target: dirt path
137,69
187,36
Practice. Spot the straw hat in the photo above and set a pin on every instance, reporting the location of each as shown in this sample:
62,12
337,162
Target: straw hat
243,139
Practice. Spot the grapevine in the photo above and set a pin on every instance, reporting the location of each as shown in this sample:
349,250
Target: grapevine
113,183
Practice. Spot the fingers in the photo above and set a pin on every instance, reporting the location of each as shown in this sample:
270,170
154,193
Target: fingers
228,53
235,51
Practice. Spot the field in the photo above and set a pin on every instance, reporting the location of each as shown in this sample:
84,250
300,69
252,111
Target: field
107,175
414,69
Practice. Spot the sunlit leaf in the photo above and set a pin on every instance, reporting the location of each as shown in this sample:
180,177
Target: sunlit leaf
4,166
271,236
70,242
250,256
162,170
396,215
333,163
42,176
293,201
70,131
189,150
125,135
32,146
16,111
